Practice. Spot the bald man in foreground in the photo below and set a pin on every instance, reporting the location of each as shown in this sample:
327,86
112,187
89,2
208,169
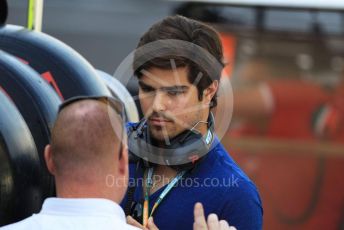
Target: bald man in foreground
89,160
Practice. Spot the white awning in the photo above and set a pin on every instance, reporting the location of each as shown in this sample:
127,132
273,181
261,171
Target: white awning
314,4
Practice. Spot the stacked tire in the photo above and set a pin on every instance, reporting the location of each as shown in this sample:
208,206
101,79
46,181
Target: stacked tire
37,72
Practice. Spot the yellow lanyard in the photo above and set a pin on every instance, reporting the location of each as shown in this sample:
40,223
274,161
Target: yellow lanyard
149,183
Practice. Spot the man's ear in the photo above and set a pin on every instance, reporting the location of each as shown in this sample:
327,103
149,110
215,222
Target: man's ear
123,160
210,91
49,159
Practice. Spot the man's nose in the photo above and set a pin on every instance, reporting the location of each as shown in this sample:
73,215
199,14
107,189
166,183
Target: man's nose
159,103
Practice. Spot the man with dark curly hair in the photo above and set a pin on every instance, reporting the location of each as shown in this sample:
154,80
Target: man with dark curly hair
177,93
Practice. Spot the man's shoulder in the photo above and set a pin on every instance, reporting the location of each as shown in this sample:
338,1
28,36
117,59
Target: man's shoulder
235,189
36,223
28,223
220,166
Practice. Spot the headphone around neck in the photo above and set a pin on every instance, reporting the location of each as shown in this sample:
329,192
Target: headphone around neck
181,153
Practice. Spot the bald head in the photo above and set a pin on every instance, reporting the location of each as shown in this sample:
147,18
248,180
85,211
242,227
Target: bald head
85,141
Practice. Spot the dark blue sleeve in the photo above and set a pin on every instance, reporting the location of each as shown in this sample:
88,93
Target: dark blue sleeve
244,209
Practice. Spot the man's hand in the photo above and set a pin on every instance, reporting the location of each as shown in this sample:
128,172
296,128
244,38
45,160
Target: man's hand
213,222
150,226
200,223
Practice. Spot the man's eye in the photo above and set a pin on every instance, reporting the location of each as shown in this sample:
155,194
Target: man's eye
175,93
146,89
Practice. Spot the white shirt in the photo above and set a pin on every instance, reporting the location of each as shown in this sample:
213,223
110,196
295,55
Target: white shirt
81,213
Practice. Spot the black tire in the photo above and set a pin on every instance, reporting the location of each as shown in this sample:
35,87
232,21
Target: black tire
69,73
3,11
38,105
20,189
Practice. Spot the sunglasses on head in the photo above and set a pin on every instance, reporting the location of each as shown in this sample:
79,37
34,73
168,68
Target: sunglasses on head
116,104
